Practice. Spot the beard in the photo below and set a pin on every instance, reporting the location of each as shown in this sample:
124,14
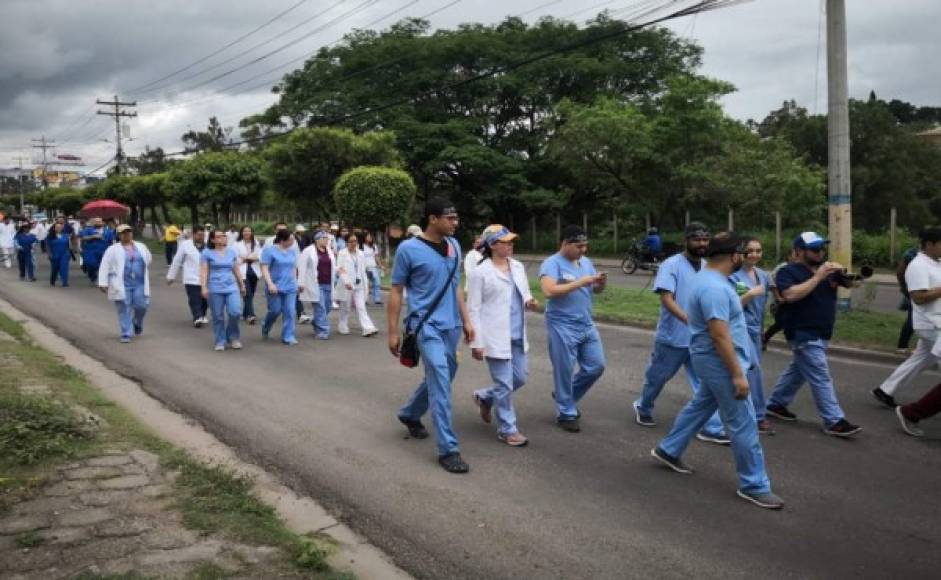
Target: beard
813,260
698,251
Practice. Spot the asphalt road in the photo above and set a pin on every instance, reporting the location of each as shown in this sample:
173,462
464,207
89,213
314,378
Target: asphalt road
588,505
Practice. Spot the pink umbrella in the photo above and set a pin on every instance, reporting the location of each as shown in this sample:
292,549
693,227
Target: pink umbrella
104,208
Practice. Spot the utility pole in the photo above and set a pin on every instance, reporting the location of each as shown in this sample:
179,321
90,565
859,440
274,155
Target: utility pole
838,144
44,145
117,114
19,182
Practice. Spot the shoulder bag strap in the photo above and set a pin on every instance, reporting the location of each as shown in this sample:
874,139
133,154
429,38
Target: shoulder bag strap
437,300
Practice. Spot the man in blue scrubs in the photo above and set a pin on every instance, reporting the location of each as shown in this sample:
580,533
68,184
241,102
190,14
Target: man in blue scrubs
721,354
671,343
422,266
568,280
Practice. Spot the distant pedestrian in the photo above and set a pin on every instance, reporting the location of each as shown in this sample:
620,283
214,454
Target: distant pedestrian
279,271
352,288
187,258
171,235
249,251
58,242
471,259
300,242
907,330
497,299
316,270
721,353
428,265
7,247
222,286
809,287
24,242
923,280
569,281
232,235
95,240
374,267
124,277
671,342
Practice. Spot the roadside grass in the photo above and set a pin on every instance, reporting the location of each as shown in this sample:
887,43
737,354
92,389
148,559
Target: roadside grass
38,432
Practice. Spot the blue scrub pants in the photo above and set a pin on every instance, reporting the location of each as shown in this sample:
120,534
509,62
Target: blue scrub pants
221,304
281,304
59,266
439,355
568,345
131,311
665,362
755,380
24,258
809,364
738,416
375,284
508,375
321,321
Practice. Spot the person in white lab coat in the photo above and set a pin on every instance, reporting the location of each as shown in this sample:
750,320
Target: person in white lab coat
187,257
316,271
7,245
249,251
352,287
498,295
124,275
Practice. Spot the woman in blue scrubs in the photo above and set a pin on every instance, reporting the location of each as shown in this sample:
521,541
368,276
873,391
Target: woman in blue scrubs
222,286
57,244
279,270
24,242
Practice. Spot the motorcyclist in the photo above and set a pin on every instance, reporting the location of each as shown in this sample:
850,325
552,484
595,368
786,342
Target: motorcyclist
652,245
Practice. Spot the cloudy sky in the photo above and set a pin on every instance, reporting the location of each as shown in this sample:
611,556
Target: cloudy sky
58,56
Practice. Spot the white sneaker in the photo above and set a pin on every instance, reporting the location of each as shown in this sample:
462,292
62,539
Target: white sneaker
220,347
344,331
203,320
369,333
236,345
304,319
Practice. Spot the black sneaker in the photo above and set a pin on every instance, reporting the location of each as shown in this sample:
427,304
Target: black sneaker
452,463
884,398
415,429
674,463
781,412
642,419
570,425
842,428
769,501
720,439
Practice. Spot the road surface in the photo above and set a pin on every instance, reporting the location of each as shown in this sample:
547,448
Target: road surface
588,505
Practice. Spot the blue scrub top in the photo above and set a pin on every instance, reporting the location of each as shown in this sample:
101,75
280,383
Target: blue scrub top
24,241
58,245
755,309
93,250
516,314
713,297
575,307
221,279
134,268
423,272
676,276
281,266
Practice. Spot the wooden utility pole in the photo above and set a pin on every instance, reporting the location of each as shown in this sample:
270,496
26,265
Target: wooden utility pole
117,114
838,145
44,145
19,181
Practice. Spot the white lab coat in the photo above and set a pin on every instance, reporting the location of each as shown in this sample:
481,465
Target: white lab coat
187,256
489,294
349,272
244,250
7,231
470,263
111,272
40,231
307,273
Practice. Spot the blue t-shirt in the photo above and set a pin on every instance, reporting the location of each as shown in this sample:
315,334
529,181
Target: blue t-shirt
675,275
58,245
575,307
24,242
755,309
713,297
341,244
93,250
813,316
281,266
423,272
134,267
516,314
221,278
653,243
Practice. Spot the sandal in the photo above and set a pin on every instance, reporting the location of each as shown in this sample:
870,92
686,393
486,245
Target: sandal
452,463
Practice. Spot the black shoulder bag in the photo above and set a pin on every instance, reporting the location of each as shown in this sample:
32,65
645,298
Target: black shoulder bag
409,354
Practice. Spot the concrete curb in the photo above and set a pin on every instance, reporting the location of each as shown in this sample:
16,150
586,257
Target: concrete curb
301,514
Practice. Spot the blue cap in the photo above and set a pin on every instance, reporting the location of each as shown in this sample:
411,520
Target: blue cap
810,241
321,234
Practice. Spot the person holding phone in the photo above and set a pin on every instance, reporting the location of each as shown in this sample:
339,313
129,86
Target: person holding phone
720,351
223,287
352,287
568,280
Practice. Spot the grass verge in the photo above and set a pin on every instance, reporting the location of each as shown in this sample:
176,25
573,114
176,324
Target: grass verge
39,431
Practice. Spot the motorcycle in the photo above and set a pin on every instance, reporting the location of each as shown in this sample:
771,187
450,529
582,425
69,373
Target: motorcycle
638,257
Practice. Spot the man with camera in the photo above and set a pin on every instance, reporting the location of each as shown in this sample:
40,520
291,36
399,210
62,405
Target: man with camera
923,279
809,287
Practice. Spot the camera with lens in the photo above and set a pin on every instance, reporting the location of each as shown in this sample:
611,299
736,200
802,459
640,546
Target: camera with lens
845,277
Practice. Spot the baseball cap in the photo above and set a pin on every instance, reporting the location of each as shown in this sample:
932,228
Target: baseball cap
439,207
496,233
123,228
810,241
300,228
413,230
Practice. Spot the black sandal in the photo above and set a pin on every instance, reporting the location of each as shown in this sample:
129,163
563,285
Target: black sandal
415,429
452,463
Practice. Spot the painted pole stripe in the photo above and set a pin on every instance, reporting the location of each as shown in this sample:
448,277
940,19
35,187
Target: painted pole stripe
839,199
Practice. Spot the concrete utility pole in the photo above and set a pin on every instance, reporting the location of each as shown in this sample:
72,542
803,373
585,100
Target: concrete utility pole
838,144
117,114
44,145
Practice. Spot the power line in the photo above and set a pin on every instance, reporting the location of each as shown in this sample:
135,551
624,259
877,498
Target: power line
117,114
219,50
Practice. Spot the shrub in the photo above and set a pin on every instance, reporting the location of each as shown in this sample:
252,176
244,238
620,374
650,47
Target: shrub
374,197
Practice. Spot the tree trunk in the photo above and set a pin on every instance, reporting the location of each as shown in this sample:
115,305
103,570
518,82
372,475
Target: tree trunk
166,213
194,214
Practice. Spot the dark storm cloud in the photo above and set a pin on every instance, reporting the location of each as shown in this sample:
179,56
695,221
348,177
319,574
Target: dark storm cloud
58,56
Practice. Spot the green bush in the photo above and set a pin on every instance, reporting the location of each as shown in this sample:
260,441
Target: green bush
35,428
373,197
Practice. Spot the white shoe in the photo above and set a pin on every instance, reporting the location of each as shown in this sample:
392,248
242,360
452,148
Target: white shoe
369,333
236,345
220,347
344,331
304,319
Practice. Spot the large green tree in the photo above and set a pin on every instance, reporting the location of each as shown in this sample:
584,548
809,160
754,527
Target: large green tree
219,180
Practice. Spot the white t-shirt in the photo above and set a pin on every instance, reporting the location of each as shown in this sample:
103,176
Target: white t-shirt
924,274
369,252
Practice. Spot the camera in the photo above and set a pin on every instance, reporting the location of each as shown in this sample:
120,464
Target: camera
845,277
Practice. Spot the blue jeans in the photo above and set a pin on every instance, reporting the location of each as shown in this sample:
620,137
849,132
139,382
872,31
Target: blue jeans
508,375
439,356
809,364
25,260
738,417
321,321
375,284
281,304
665,362
568,345
221,304
131,311
756,381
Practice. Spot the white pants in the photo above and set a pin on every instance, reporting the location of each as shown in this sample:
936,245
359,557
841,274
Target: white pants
921,360
358,300
8,254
